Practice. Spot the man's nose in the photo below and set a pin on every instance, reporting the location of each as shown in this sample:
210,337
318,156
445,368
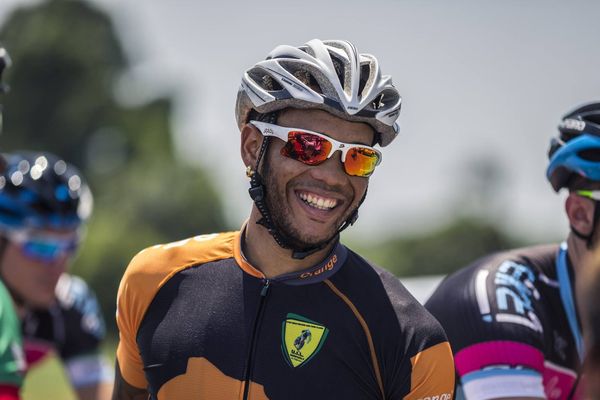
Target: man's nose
331,171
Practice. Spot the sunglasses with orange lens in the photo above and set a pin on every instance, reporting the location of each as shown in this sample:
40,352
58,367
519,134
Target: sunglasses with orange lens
313,148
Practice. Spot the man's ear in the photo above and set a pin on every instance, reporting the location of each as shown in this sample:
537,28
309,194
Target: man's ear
580,212
250,144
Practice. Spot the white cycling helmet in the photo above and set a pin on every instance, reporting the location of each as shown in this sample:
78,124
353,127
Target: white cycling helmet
329,75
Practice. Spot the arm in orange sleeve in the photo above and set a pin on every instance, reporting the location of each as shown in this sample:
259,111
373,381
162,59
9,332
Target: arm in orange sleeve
432,373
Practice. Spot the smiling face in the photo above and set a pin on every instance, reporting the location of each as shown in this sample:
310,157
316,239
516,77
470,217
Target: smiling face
308,204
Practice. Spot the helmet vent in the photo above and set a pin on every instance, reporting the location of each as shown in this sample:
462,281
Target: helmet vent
263,80
307,50
590,154
339,68
309,80
270,82
365,71
384,98
378,102
594,118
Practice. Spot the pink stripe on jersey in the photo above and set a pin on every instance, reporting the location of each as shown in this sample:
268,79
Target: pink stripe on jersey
8,392
35,351
499,352
558,382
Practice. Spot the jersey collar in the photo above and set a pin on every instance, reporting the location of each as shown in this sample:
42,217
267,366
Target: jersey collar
317,273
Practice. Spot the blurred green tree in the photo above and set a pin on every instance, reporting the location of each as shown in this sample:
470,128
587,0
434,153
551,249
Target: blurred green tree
440,251
67,64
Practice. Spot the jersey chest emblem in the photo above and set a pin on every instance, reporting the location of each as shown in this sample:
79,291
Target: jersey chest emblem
301,339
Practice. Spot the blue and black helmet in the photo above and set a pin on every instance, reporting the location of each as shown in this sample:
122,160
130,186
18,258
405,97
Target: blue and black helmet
42,191
576,151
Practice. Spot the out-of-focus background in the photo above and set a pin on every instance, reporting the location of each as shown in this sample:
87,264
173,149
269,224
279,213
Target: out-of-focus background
140,96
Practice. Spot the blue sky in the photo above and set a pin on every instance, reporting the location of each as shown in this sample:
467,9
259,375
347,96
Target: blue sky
483,83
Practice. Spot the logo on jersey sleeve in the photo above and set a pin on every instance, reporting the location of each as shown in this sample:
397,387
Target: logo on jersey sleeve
514,294
301,339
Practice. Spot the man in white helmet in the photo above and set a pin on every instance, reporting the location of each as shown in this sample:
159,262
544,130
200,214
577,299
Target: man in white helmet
281,309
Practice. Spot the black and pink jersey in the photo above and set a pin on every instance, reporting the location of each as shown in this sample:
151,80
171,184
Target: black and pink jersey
72,329
512,323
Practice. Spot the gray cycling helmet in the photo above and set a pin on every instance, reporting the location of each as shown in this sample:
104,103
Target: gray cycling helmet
329,75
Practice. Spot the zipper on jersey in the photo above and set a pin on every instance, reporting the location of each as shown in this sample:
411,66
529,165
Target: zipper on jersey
250,361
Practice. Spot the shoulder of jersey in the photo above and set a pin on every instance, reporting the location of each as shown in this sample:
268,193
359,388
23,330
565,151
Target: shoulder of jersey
75,297
531,257
166,259
405,305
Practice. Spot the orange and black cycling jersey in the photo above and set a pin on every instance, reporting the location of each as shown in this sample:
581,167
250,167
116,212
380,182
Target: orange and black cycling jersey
197,321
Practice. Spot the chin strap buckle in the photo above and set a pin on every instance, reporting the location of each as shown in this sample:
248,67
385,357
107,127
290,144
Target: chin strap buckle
256,193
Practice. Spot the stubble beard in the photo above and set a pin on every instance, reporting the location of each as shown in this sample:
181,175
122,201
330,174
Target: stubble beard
278,206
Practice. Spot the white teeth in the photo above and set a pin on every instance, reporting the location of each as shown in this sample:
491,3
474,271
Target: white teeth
318,202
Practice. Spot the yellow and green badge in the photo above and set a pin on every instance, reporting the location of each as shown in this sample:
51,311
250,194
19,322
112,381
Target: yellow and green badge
302,339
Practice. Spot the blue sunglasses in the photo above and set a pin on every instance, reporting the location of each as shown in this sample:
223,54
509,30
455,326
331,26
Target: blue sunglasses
44,247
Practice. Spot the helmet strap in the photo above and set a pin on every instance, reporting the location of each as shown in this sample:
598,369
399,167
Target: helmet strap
257,192
581,235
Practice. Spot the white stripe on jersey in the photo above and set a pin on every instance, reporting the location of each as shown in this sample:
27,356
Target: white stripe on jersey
88,370
501,383
481,292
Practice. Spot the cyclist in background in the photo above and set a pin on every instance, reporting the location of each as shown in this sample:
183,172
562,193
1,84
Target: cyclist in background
281,309
511,317
44,202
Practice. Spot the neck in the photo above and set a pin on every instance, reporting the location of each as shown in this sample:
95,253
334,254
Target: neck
261,250
578,251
